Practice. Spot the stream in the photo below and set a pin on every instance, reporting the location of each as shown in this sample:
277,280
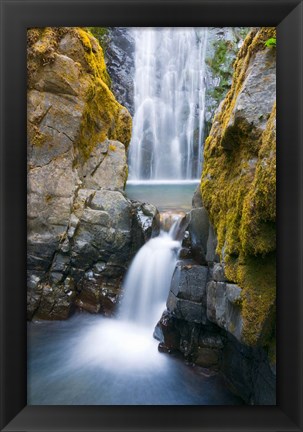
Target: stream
92,360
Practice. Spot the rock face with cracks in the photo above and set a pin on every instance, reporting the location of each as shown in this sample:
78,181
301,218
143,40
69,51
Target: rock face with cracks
239,185
227,321
80,225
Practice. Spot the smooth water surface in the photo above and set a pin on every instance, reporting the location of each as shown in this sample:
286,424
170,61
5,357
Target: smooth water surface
166,196
91,360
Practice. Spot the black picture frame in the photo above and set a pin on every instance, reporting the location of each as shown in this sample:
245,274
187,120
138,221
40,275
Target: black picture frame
16,17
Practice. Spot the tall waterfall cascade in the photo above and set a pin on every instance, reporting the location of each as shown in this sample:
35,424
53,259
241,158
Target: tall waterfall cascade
169,85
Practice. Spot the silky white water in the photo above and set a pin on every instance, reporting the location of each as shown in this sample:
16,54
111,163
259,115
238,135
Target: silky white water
169,85
148,280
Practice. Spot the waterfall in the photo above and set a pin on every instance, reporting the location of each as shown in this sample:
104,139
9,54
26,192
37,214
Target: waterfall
169,101
148,279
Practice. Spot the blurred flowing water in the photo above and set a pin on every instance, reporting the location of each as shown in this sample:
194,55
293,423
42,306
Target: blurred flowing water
91,360
148,280
169,86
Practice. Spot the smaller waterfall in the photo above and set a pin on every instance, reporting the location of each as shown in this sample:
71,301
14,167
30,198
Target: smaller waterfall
148,280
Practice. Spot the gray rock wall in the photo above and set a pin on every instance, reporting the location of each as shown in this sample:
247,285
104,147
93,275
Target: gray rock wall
121,64
222,46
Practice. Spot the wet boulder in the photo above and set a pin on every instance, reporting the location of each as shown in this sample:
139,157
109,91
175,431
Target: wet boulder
187,295
198,229
224,307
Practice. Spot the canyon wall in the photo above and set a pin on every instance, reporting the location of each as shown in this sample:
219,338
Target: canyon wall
221,305
80,224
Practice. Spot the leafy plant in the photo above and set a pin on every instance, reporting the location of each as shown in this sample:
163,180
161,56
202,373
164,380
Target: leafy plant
271,42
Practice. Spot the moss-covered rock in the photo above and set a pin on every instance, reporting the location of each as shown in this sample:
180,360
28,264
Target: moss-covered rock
239,182
73,119
70,61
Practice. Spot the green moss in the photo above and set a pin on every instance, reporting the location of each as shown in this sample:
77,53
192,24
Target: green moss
103,116
238,189
256,275
94,55
101,34
102,119
257,229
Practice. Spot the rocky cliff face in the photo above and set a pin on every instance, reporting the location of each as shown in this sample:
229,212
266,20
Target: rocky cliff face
79,221
120,62
221,305
239,184
223,44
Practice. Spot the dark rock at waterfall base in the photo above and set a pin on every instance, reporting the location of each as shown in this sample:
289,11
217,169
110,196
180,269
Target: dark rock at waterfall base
98,293
162,348
197,198
189,281
218,273
224,307
199,230
56,302
248,373
187,296
207,357
145,223
245,369
185,253
167,333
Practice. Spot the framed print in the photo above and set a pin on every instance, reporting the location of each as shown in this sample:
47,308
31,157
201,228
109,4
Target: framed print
155,292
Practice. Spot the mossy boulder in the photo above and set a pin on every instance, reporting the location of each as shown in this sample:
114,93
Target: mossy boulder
238,184
69,62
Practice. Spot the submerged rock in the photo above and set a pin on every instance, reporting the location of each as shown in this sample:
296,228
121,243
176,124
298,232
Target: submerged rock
197,198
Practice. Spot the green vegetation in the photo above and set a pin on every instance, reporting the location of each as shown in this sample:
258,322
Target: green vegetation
271,42
94,56
221,64
101,34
